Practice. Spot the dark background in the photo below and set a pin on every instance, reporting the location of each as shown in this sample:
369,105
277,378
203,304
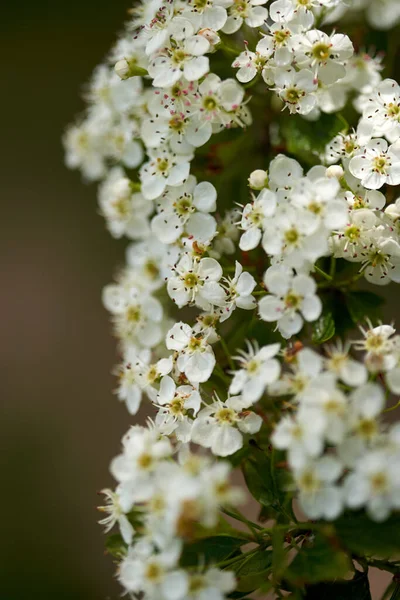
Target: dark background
60,423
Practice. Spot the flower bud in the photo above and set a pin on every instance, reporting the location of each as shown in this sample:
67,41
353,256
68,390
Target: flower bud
125,70
258,179
211,36
335,171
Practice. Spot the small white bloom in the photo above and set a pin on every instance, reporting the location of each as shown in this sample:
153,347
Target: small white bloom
292,298
195,356
259,368
376,164
219,426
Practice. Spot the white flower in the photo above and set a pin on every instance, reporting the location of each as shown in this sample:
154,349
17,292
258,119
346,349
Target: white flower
301,435
137,316
115,515
251,63
284,172
259,368
292,298
325,399
249,11
326,55
319,497
238,292
376,164
339,362
341,147
319,197
307,366
375,484
196,282
186,208
213,584
175,403
181,59
219,426
164,168
155,574
207,14
195,356
253,218
143,449
126,212
380,347
296,89
381,116
130,383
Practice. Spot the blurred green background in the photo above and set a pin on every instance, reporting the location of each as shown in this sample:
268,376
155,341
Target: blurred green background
61,425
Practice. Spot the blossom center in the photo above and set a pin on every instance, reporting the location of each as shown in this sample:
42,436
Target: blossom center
145,460
321,51
190,280
309,483
153,572
293,95
379,483
133,314
291,236
380,164
393,111
293,300
226,415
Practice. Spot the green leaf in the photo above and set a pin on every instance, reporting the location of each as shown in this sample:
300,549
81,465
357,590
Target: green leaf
267,483
116,546
355,589
362,304
321,560
367,538
209,550
306,139
324,327
253,571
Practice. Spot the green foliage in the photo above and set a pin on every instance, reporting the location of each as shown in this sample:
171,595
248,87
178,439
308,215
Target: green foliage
211,550
305,140
363,303
355,589
368,538
324,328
318,560
116,546
268,483
253,571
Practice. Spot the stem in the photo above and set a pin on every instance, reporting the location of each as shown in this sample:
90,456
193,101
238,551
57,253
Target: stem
392,407
227,353
396,592
332,270
241,518
323,274
384,566
231,561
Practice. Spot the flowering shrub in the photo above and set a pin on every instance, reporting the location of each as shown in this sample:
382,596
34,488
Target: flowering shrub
248,154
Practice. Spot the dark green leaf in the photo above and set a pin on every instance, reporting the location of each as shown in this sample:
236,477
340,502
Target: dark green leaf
213,549
318,561
253,571
306,139
266,482
115,545
362,304
324,327
355,589
368,538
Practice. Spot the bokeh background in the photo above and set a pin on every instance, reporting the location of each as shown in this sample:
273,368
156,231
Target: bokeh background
60,423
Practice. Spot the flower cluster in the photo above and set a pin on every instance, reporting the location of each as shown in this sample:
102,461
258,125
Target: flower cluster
341,452
178,76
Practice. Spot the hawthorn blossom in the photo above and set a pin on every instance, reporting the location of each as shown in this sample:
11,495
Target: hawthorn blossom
292,298
376,164
258,369
220,425
195,356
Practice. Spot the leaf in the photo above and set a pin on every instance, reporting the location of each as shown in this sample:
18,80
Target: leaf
365,537
362,304
324,327
116,546
355,589
306,140
322,560
253,571
213,549
267,483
